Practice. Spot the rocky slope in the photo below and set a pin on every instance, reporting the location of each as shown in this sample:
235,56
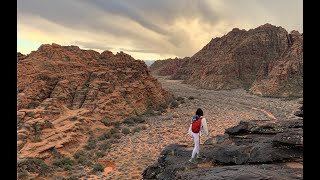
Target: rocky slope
66,95
255,149
266,61
167,67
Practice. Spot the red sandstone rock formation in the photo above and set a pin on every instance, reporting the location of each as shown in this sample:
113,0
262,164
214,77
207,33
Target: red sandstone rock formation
167,67
266,60
64,92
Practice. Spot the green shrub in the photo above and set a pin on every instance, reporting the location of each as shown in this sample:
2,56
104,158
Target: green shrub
104,146
97,167
116,136
163,106
180,98
138,119
116,124
143,127
63,162
191,97
79,154
128,121
125,131
33,165
104,136
99,154
137,129
106,122
23,174
114,131
73,178
47,124
67,167
91,144
174,104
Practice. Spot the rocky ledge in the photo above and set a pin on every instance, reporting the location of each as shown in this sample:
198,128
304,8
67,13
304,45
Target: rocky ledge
255,149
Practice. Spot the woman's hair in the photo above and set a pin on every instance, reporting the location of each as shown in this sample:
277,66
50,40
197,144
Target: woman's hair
199,112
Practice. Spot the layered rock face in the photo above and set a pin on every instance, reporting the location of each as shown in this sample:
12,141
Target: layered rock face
167,67
256,149
266,60
64,92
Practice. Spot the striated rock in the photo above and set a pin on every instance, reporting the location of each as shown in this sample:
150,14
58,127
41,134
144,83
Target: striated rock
64,92
167,67
265,61
256,149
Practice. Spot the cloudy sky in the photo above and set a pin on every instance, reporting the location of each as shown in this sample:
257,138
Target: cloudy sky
146,29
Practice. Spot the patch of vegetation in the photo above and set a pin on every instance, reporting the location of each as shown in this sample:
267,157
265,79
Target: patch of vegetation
116,136
47,124
128,121
104,146
79,154
73,178
36,132
106,121
97,167
180,98
99,154
105,136
137,129
114,131
138,119
163,106
174,104
191,98
91,144
63,162
33,165
125,130
23,174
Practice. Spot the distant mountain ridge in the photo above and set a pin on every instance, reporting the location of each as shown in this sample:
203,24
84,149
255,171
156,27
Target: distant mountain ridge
266,61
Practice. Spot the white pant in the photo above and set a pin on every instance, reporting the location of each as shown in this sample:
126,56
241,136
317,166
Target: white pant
196,141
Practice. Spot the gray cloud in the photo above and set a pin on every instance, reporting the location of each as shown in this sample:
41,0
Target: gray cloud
152,26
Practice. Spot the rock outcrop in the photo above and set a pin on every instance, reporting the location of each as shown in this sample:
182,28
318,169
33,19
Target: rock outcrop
256,149
266,61
64,92
167,67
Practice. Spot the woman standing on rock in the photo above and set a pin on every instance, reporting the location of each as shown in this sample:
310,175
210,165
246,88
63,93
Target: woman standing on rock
197,128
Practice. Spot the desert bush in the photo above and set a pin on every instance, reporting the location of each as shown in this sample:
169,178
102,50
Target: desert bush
138,119
104,136
63,162
104,146
78,154
91,144
137,129
106,121
116,136
33,165
73,178
174,104
47,124
125,130
180,98
128,121
97,167
114,131
191,97
99,154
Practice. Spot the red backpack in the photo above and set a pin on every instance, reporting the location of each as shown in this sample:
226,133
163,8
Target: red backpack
196,126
